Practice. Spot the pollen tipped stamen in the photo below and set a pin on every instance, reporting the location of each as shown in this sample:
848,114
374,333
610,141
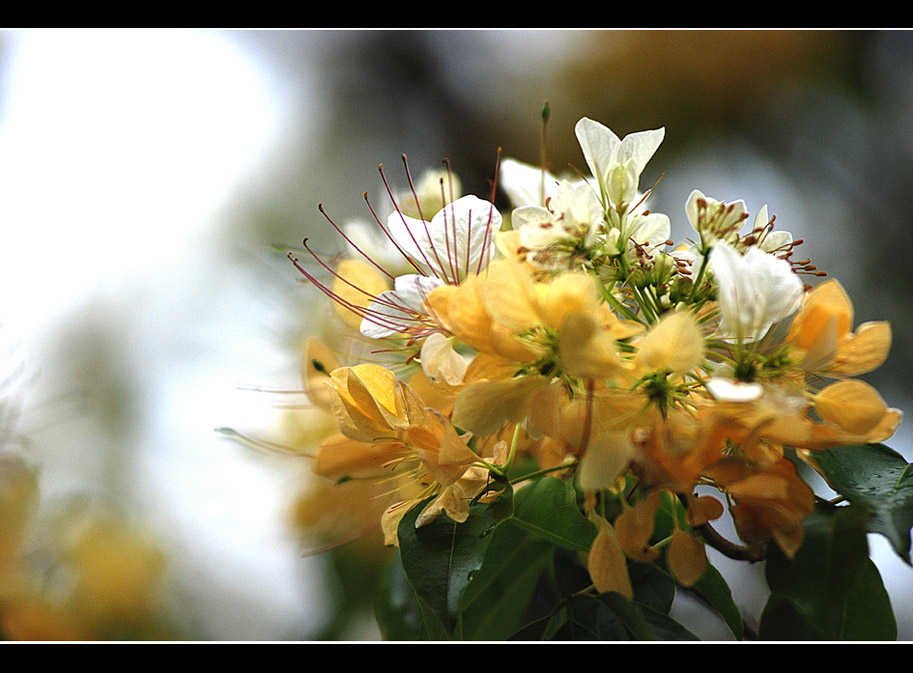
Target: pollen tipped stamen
418,204
409,230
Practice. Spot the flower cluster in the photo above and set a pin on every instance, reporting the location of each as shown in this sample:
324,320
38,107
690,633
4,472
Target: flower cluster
574,333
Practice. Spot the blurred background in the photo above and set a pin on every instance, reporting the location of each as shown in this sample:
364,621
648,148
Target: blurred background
150,182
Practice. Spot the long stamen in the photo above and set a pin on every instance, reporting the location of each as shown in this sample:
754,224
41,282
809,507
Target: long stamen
408,229
450,257
352,243
390,236
373,316
418,205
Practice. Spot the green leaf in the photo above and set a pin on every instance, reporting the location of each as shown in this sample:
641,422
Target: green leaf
608,616
714,590
653,588
664,627
495,601
548,508
654,592
878,478
586,616
831,590
441,558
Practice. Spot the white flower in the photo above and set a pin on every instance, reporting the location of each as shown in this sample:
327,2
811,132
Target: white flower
571,222
755,291
526,185
715,220
458,240
396,311
616,164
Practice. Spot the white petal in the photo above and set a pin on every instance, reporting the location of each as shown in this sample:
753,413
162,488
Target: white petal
600,146
726,390
755,291
526,185
440,362
412,289
641,147
462,237
384,319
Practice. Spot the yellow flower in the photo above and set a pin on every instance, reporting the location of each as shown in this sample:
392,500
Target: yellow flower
767,503
822,328
386,425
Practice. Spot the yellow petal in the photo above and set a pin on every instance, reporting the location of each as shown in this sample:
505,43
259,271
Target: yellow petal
702,509
485,406
365,402
606,562
851,405
675,343
827,307
340,457
566,295
319,361
687,558
508,293
863,351
586,350
634,528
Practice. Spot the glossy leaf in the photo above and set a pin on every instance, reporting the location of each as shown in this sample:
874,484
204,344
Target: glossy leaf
881,480
831,590
495,601
548,508
441,558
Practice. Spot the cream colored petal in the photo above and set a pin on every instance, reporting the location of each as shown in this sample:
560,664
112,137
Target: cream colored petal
853,406
586,350
675,343
863,351
606,562
441,362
